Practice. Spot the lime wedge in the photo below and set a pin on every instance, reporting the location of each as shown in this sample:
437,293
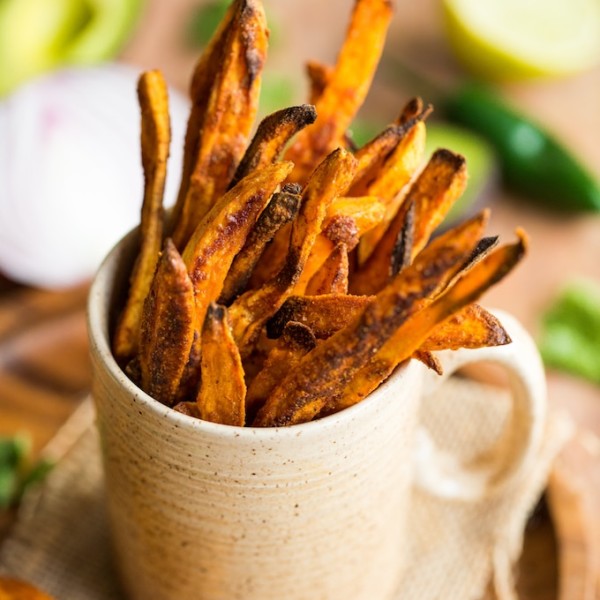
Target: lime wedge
505,40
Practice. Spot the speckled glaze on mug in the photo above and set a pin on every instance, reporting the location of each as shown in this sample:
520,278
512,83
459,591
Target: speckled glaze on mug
205,511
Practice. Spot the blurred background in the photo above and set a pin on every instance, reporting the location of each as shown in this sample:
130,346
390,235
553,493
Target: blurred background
515,87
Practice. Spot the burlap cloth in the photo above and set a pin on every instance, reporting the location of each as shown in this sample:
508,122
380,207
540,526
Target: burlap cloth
458,550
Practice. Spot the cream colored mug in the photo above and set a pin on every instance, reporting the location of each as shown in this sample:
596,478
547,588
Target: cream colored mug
315,511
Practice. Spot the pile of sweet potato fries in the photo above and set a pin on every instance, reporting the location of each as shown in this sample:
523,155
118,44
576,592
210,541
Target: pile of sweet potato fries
294,275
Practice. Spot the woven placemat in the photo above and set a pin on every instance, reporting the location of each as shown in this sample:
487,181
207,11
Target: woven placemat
457,550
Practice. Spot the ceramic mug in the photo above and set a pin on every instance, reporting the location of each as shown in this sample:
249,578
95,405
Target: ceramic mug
205,511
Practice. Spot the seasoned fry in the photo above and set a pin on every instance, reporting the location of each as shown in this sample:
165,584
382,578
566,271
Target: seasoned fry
348,219
326,371
188,408
390,183
324,315
332,277
200,89
222,396
383,152
251,310
221,235
347,87
273,133
156,137
167,329
365,211
392,253
435,191
471,327
429,359
319,76
296,340
412,110
282,208
414,332
226,117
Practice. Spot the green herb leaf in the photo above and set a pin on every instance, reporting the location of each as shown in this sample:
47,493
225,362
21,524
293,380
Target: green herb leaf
571,331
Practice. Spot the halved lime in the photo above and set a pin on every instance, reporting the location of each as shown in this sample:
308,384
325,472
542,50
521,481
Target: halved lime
519,39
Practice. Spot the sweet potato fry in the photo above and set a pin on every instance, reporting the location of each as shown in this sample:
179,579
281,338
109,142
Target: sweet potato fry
200,89
429,360
414,332
324,373
365,211
347,87
391,181
348,219
251,310
167,328
374,154
324,315
222,395
296,341
471,327
392,253
332,277
412,110
319,76
156,137
434,192
222,233
226,116
273,133
281,209
188,408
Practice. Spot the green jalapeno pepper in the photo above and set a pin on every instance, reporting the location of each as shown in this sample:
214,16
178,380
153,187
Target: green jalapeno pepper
532,161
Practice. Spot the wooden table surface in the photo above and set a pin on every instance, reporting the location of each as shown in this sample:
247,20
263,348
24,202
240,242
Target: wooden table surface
44,370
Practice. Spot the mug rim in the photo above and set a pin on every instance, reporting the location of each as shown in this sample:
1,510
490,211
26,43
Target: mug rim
97,322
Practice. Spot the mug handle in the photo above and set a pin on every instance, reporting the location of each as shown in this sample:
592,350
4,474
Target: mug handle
443,475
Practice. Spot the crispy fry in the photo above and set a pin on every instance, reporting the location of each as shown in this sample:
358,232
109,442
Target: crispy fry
324,314
200,89
222,396
391,181
188,408
365,211
348,219
226,116
325,372
332,277
156,137
296,341
471,327
251,310
412,110
435,191
167,331
346,88
319,76
273,133
281,209
392,253
414,332
429,359
373,155
222,233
